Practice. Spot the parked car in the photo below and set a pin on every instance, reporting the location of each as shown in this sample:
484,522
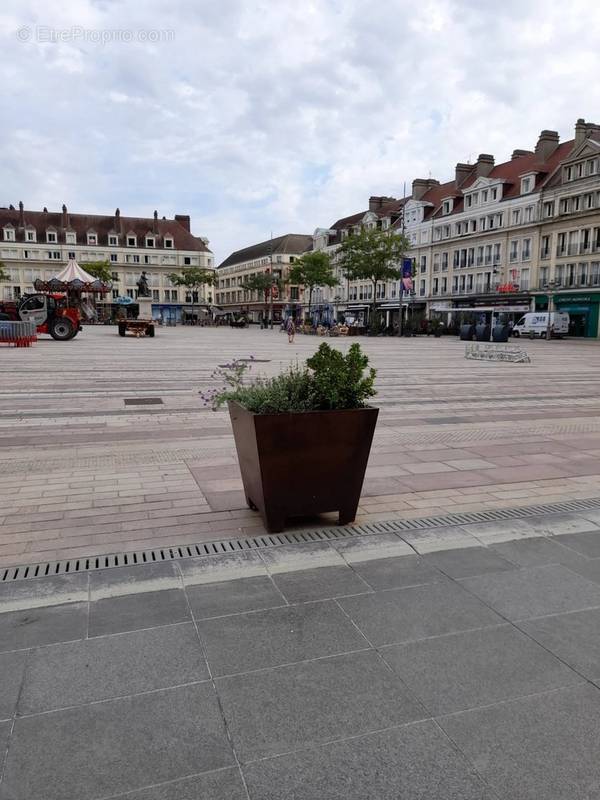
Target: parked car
535,324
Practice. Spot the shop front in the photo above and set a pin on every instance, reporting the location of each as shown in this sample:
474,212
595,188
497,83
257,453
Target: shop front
582,309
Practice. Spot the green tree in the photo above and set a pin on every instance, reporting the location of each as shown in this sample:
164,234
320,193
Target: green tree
4,276
193,278
373,255
313,270
263,283
99,269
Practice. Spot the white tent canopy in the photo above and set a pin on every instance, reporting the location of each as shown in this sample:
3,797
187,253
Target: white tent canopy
72,273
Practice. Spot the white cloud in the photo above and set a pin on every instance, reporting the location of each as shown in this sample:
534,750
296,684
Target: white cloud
259,116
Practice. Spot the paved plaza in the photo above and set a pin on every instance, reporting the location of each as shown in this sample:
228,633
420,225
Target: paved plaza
414,655
351,670
86,470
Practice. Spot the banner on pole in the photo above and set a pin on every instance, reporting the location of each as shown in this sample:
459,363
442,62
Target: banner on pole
407,280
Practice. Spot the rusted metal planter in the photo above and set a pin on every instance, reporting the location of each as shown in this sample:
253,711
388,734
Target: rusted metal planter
304,463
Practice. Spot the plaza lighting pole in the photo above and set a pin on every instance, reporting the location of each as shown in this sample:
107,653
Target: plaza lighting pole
400,284
551,287
271,287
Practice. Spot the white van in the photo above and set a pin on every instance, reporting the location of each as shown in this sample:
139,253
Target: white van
536,324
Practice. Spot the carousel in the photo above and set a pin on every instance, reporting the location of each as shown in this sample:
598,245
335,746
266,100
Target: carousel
60,304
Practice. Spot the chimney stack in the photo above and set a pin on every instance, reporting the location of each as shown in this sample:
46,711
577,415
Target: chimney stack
520,154
155,222
420,187
461,173
21,215
65,217
118,226
547,144
484,165
184,221
584,130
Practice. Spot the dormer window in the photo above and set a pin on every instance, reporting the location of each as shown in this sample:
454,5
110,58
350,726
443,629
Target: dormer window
131,240
92,237
30,236
51,237
526,185
447,206
113,240
484,196
169,242
71,237
149,241
9,234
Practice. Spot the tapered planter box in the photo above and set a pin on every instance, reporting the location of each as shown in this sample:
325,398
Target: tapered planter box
303,463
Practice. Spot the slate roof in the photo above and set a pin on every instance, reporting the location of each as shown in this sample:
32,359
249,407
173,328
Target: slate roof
102,225
290,244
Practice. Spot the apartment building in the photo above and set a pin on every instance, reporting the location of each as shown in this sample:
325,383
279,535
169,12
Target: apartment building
495,236
272,256
38,244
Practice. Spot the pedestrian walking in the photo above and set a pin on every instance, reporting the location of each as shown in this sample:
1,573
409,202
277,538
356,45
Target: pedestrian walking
291,330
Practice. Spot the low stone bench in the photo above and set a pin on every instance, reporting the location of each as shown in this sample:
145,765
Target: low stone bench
487,351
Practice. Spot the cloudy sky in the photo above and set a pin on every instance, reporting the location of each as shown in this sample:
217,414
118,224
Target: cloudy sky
276,116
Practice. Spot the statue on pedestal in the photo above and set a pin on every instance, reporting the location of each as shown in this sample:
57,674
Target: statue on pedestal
142,285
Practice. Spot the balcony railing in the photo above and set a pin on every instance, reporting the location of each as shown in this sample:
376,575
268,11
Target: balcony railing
544,254
561,251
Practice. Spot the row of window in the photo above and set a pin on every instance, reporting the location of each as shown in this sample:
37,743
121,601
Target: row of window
56,255
92,238
581,170
570,243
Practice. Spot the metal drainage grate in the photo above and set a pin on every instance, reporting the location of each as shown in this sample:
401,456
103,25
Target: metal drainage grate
143,401
221,547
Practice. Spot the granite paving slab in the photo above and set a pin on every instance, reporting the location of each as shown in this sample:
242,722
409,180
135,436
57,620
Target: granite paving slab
140,578
224,784
534,591
398,572
46,625
476,668
12,666
537,551
137,611
462,562
277,636
107,748
400,615
233,596
111,666
319,584
285,708
543,746
39,592
415,762
588,544
574,638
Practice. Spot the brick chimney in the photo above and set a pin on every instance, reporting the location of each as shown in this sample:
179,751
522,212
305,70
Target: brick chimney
155,223
184,221
420,187
461,173
118,224
547,144
520,154
21,215
585,130
484,165
65,217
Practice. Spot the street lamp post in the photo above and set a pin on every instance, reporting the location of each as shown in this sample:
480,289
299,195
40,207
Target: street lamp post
551,287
